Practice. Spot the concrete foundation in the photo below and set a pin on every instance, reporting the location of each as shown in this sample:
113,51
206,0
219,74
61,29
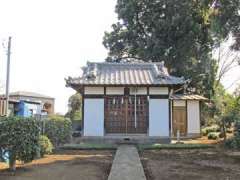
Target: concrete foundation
123,139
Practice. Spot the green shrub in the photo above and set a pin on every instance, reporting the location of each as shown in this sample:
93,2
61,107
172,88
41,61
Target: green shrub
46,146
228,143
237,127
233,143
211,121
19,137
214,128
205,131
213,135
58,130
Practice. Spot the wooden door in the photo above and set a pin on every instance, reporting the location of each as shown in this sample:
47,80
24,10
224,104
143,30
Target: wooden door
179,120
140,124
120,114
115,115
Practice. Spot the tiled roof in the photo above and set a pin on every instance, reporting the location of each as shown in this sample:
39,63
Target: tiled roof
3,98
188,97
125,74
13,100
29,94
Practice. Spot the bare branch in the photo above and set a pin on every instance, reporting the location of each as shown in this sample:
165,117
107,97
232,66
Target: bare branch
234,82
227,60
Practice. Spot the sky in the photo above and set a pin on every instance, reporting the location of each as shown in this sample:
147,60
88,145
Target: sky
53,39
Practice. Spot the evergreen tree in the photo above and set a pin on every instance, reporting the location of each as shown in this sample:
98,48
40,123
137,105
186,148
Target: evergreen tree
75,105
180,33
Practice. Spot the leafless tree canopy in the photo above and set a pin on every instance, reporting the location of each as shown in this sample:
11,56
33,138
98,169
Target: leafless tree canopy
227,60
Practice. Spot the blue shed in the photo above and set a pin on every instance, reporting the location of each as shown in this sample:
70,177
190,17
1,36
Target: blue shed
28,109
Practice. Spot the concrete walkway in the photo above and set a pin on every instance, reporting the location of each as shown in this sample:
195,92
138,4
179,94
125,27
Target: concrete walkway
127,165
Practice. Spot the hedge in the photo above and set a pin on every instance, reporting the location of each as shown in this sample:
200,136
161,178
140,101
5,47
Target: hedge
58,130
213,135
46,146
19,137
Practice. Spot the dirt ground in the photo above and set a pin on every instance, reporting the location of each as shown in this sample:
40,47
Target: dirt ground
191,164
64,165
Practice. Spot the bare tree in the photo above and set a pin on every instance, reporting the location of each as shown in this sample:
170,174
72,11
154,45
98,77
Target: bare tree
227,60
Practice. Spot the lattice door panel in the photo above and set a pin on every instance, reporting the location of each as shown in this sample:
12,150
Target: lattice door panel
140,124
115,115
120,114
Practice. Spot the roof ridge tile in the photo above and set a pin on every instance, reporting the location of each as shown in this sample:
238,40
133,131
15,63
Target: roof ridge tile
110,73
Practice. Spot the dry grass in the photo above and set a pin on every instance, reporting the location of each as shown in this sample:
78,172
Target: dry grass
204,140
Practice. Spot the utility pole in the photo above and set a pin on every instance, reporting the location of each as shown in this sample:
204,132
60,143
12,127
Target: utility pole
8,73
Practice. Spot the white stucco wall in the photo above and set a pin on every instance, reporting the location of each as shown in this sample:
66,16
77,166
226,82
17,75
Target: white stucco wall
158,90
179,103
94,90
115,90
140,91
159,117
93,117
193,117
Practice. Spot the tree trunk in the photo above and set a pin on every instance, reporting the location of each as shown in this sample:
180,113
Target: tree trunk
12,163
224,130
